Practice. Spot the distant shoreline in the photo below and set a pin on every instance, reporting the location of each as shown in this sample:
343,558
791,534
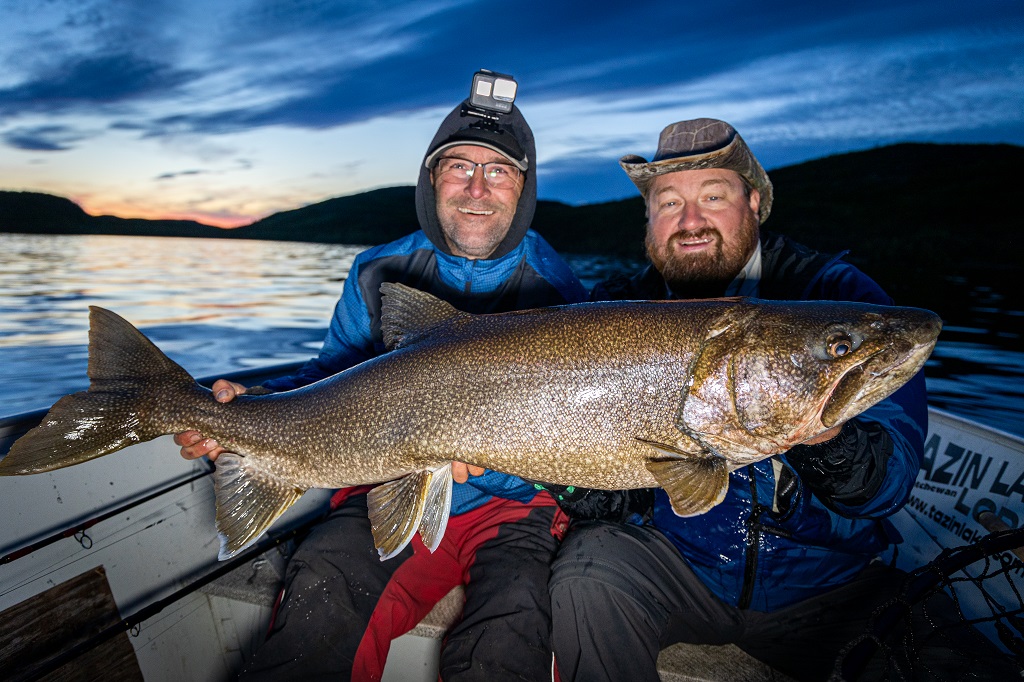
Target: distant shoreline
925,220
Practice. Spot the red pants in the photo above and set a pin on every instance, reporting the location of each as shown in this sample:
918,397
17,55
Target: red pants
342,606
425,578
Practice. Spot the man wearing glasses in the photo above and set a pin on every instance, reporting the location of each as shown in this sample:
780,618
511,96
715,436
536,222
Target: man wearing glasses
341,604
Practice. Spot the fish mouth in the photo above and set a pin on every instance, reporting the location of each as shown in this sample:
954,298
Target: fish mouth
873,379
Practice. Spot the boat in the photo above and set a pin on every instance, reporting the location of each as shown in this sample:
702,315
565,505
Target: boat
115,576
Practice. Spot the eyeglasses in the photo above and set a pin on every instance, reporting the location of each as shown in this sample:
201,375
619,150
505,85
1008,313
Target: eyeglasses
458,171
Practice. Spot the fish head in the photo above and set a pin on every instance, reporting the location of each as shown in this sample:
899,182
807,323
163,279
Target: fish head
772,374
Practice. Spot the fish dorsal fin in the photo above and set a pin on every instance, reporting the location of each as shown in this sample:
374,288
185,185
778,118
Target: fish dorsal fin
398,508
694,483
407,314
249,500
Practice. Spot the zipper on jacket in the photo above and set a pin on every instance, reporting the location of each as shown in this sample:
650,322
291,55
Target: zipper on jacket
753,543
755,529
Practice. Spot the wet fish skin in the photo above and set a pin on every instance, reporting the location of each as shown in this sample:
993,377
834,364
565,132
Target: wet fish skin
605,395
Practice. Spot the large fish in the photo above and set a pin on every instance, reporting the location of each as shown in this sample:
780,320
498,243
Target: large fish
611,395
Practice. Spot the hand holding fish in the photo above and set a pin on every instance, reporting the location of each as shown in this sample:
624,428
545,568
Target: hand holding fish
194,445
462,471
827,435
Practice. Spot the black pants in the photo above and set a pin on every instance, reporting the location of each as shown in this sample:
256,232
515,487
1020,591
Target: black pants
620,594
335,579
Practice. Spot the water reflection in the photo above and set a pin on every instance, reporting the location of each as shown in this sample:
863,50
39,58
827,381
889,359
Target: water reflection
49,282
216,305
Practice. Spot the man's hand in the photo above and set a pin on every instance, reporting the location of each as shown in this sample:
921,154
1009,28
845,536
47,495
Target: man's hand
828,435
193,445
460,471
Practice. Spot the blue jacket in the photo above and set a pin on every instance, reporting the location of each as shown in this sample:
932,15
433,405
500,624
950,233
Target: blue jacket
530,275
787,533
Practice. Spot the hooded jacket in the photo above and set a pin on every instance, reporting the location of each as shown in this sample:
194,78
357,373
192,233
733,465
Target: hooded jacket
513,124
523,272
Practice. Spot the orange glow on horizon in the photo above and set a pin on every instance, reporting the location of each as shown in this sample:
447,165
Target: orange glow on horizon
129,211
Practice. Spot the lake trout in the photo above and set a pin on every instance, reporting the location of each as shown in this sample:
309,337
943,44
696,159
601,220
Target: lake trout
611,395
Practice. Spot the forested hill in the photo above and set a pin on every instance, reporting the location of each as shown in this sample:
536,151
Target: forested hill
914,216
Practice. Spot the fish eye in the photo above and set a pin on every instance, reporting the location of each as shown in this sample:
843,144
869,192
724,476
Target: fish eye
839,345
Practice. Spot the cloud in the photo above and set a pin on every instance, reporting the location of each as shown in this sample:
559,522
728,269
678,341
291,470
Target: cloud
226,167
84,82
269,19
794,105
320,64
178,174
46,138
310,97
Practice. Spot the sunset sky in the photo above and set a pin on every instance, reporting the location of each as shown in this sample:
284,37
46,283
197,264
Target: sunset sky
231,110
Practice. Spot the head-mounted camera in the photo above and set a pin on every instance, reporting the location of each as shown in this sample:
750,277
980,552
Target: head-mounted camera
491,95
490,102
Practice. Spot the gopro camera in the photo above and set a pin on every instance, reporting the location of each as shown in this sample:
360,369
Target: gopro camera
491,95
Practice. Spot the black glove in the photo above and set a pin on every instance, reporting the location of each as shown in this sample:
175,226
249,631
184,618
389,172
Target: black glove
848,469
588,504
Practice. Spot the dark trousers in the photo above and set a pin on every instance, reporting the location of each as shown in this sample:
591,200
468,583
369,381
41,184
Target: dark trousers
621,593
335,580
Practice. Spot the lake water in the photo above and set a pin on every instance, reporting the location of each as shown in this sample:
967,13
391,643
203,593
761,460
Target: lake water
217,305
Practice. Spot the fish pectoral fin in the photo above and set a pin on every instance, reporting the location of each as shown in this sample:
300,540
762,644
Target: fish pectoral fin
249,500
396,509
437,507
694,483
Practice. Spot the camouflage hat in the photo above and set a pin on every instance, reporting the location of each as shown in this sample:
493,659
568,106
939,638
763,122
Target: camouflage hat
695,145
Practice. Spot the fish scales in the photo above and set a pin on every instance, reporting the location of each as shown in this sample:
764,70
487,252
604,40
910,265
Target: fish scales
506,400
559,397
611,395
505,396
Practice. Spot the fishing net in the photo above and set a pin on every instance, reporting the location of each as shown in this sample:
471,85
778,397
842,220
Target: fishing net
959,617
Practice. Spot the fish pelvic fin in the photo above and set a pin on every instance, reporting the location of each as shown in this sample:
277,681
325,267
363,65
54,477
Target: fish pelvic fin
437,508
126,371
249,500
694,483
408,314
421,500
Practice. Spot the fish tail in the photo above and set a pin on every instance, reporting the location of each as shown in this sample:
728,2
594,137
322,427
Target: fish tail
126,371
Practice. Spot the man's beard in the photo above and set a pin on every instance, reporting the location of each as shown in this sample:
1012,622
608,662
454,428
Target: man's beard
471,243
707,273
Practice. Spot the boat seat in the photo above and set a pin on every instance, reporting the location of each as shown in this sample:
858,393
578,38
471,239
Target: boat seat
677,663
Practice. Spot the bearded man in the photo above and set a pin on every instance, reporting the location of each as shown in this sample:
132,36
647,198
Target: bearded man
783,567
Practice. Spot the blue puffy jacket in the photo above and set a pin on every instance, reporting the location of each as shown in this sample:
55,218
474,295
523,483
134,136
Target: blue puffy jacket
531,275
808,521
